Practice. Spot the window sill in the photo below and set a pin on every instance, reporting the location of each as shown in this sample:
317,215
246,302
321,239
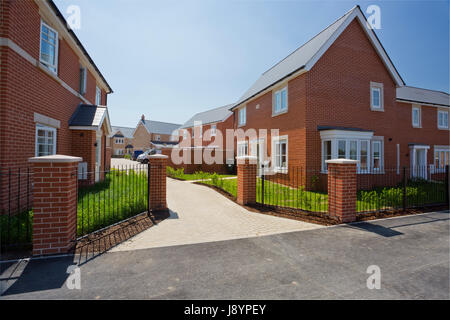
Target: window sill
359,172
417,127
241,125
280,170
279,113
377,109
443,128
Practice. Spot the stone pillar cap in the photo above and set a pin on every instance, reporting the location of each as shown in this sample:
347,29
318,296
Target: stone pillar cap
246,157
55,158
157,156
342,161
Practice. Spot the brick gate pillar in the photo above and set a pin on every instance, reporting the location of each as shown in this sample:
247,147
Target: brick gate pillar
54,203
157,182
246,179
342,189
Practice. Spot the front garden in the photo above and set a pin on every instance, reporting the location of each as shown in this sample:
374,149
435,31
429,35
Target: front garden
418,193
198,175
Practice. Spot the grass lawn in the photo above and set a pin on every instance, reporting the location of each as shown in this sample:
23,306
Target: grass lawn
121,195
199,175
418,193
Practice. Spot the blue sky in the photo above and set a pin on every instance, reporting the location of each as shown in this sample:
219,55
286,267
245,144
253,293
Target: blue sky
171,59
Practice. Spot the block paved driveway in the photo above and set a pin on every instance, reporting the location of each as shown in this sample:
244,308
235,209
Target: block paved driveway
200,214
326,263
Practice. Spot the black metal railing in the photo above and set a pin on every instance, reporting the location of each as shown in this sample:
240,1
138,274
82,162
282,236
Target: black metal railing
292,187
16,208
401,188
108,197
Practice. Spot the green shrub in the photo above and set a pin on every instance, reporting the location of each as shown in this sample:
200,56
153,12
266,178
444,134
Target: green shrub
127,156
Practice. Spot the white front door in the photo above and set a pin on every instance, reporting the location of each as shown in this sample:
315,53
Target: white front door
98,158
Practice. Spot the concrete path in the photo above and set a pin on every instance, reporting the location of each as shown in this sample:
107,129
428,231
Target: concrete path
200,214
412,253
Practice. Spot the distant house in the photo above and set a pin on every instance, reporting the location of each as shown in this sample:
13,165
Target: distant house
204,129
122,141
149,132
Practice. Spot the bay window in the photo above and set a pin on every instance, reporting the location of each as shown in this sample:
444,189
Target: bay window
353,145
242,148
326,153
364,156
45,140
376,155
341,149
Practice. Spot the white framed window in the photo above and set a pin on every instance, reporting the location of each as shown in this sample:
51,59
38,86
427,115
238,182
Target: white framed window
98,96
119,140
280,101
376,96
364,149
442,119
213,130
377,156
49,47
326,154
242,116
280,153
416,117
242,148
441,158
83,80
340,144
158,137
119,152
45,140
185,134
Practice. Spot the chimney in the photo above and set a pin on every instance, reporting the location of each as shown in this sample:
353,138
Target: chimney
142,117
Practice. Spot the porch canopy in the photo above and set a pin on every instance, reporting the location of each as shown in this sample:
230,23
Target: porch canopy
90,117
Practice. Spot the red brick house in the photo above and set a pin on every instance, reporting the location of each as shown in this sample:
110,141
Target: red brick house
340,96
52,95
202,133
